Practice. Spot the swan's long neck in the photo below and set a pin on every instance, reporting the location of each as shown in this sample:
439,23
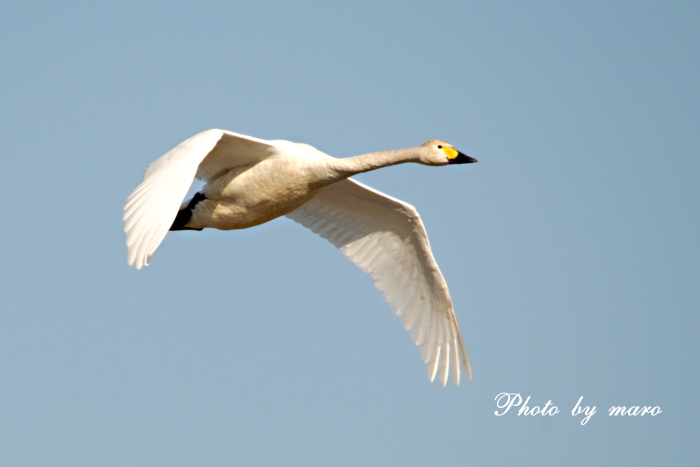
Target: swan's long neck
374,160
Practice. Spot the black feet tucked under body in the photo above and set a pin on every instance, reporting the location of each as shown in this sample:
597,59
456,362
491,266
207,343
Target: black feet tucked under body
185,214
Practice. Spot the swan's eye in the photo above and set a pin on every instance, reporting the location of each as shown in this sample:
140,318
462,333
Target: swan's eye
439,146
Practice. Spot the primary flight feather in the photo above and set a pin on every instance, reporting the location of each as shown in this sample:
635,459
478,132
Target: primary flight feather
250,181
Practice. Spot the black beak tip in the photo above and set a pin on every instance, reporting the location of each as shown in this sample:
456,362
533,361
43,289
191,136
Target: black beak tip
463,159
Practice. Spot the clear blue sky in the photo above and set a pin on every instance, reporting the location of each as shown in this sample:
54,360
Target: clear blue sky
571,248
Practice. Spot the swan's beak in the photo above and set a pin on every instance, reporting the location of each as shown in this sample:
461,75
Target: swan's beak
460,158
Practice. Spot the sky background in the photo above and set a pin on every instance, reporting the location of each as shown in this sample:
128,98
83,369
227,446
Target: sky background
571,249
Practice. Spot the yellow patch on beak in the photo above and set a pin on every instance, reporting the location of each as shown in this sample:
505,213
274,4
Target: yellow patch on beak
450,152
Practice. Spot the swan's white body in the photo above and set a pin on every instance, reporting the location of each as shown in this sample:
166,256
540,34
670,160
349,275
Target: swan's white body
251,181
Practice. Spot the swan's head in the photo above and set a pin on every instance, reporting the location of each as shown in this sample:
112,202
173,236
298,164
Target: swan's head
438,152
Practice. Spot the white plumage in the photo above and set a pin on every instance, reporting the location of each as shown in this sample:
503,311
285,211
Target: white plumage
251,181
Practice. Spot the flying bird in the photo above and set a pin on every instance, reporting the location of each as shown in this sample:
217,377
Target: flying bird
250,181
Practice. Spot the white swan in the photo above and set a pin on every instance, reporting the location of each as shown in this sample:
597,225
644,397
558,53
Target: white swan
251,181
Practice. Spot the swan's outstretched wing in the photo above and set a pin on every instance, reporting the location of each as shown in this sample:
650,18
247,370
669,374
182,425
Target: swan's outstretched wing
151,208
386,238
